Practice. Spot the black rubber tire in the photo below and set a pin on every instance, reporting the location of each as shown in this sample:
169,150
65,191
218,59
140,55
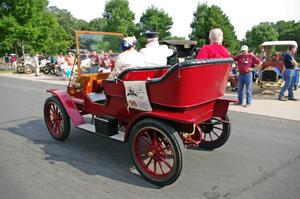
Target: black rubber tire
173,139
20,69
52,70
53,100
28,69
220,141
46,70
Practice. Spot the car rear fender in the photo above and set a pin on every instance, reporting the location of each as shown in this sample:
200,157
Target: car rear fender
69,106
221,106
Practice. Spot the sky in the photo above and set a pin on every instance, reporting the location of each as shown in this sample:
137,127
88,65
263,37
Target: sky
242,14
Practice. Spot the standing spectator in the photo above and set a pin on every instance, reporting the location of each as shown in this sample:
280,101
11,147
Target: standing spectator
7,61
36,64
155,54
70,59
128,58
215,49
245,62
14,61
60,59
289,64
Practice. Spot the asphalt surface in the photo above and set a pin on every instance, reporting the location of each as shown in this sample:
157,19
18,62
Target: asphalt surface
260,160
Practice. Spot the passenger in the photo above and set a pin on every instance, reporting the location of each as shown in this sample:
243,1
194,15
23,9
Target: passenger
289,64
106,64
155,54
128,58
245,62
215,49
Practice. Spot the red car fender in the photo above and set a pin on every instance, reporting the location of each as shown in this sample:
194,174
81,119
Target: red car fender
221,106
69,106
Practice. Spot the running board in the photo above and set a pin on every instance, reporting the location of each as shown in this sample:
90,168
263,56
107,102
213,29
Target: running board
120,136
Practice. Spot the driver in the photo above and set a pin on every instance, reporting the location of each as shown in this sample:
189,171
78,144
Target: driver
128,58
155,54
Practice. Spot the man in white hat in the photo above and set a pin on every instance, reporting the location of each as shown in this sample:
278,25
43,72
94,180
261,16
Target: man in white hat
155,54
245,62
128,58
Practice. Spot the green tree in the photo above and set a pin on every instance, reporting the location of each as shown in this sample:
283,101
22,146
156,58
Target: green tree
119,17
265,31
288,30
28,25
157,20
66,20
207,18
97,24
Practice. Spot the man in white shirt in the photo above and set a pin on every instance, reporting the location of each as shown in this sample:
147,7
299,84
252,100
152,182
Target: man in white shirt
155,54
128,58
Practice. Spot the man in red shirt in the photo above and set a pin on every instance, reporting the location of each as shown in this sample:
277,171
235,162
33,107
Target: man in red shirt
215,49
245,62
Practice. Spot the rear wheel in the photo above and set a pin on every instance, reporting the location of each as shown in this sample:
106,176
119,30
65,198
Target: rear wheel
157,151
56,119
216,132
46,69
28,69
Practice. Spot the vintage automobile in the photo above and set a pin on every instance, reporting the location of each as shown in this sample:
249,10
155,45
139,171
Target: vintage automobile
186,107
272,67
183,50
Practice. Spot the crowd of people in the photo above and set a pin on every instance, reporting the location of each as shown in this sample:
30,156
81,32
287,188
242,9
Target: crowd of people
9,61
154,54
246,62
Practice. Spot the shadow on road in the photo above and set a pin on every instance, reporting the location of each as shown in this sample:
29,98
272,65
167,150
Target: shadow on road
91,154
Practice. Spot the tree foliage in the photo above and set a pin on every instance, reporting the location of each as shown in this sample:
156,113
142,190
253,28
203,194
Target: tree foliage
157,20
119,17
264,31
98,24
28,25
209,17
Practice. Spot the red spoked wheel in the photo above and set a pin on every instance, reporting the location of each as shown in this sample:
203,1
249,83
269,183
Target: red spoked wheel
216,132
157,151
56,119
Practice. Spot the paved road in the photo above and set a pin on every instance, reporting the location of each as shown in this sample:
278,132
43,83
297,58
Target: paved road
260,160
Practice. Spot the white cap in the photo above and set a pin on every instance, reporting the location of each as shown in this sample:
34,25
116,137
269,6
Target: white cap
131,40
244,48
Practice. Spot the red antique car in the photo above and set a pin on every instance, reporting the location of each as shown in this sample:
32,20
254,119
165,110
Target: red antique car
188,108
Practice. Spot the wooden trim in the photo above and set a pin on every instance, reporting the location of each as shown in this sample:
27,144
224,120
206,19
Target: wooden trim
100,33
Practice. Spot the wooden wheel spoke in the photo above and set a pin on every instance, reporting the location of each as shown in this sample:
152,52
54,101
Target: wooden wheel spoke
215,134
167,164
146,141
143,148
155,138
143,155
215,127
210,136
148,136
155,162
159,163
150,160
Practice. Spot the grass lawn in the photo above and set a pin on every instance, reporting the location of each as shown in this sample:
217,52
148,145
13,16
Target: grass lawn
6,71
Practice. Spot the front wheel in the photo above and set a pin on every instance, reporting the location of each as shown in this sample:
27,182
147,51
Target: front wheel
20,69
157,151
216,132
56,119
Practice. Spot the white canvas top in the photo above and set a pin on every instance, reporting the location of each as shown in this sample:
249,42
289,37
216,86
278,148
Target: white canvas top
279,43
